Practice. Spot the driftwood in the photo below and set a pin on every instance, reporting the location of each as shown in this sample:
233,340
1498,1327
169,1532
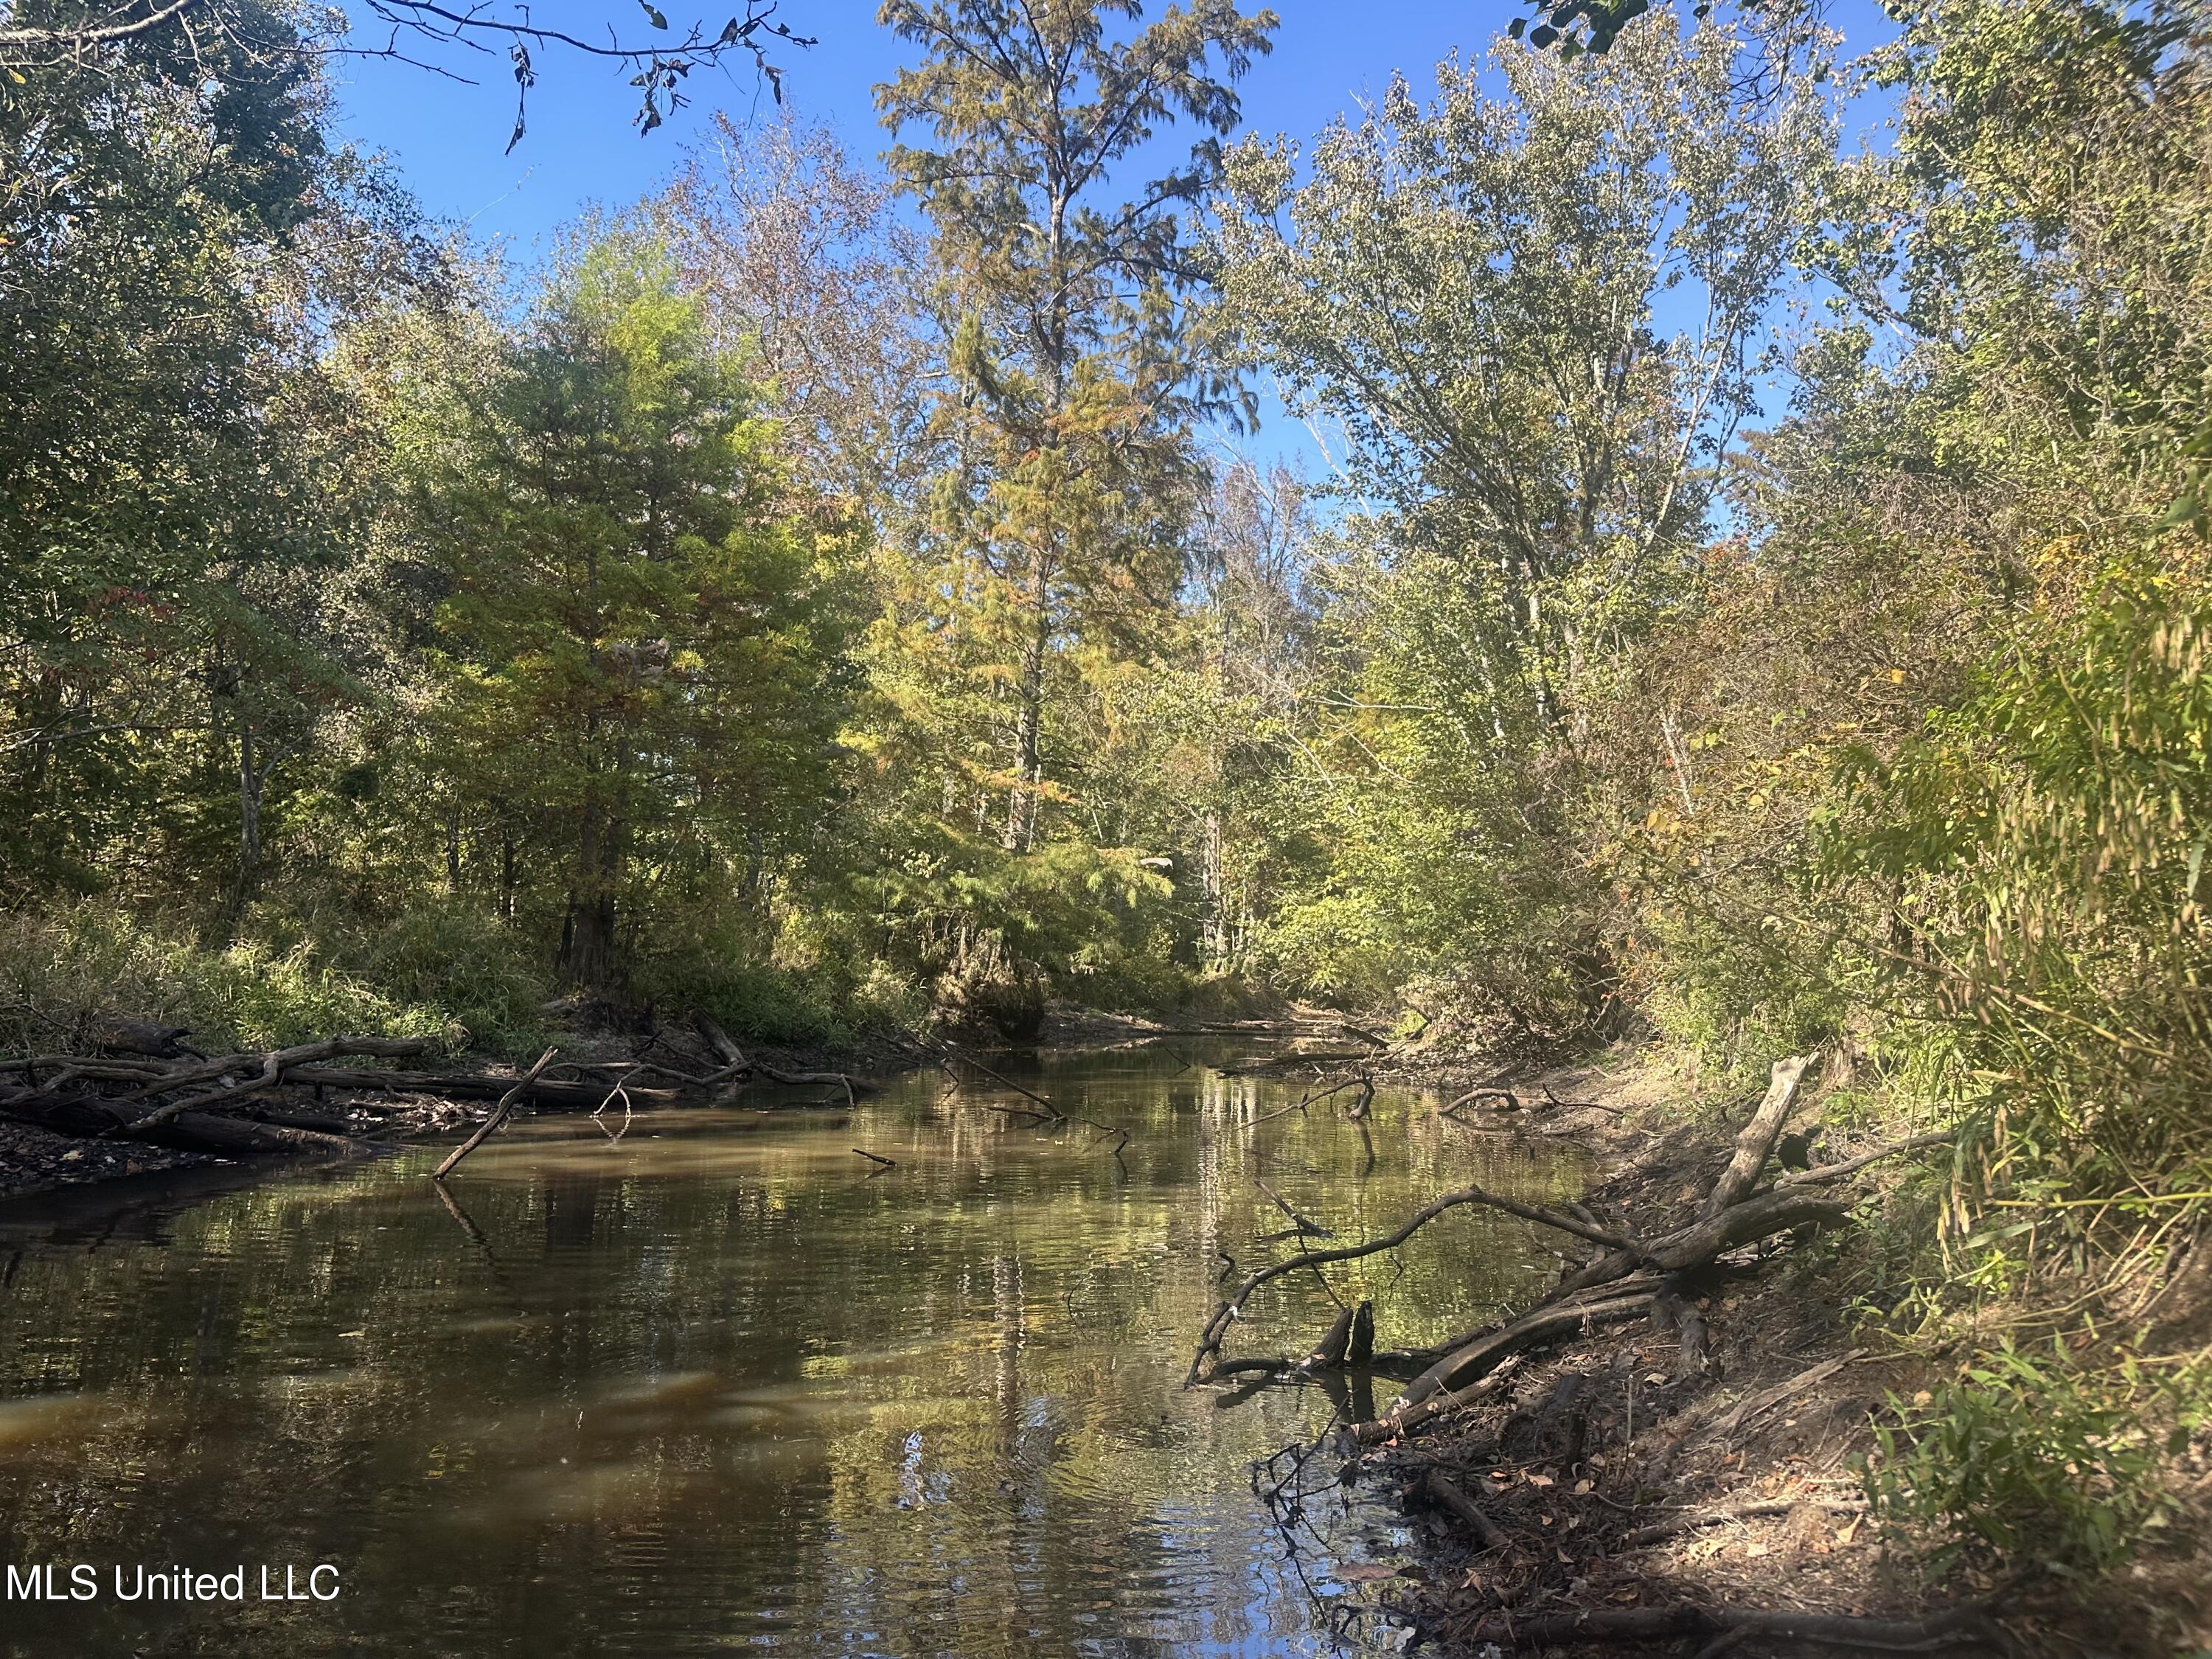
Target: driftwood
476,1085
1630,1278
497,1117
952,1054
1755,1145
89,1117
190,1122
282,1059
273,1066
737,1066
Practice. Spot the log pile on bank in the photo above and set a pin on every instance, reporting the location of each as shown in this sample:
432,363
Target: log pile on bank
145,1087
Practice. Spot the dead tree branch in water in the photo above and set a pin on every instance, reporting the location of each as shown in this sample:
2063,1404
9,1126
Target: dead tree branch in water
497,1117
1217,1327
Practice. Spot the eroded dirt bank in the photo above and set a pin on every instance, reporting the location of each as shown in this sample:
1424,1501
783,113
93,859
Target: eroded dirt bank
1689,1480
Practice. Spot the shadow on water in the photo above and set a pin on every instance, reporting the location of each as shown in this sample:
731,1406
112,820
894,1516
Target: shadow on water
702,1389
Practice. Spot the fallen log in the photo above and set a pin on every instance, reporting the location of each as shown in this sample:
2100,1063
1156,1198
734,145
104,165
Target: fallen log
474,1085
281,1059
274,1065
1778,1210
1563,1311
1755,1145
88,1117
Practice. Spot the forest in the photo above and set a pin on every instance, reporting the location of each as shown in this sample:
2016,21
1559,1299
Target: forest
1753,598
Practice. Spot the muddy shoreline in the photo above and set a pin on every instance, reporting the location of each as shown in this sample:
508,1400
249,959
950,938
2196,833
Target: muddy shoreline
1673,1491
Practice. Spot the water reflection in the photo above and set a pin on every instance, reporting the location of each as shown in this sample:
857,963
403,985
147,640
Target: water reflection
713,1386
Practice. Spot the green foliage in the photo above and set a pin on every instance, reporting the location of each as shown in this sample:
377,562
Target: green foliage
639,649
60,973
992,926
1080,360
2034,1457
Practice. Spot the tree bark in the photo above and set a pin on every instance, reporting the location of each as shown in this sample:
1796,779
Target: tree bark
1029,715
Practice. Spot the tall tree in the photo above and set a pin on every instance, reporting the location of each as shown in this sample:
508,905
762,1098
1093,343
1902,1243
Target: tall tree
641,634
1479,294
1079,360
174,238
808,276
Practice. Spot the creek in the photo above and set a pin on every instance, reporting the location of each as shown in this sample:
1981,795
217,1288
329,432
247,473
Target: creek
715,1386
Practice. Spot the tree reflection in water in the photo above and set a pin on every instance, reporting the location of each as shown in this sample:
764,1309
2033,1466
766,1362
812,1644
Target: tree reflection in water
713,1385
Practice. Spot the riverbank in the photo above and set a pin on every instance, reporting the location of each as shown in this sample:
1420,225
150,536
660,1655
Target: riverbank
1695,1482
350,1121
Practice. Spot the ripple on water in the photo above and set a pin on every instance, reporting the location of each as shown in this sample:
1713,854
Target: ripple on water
711,1387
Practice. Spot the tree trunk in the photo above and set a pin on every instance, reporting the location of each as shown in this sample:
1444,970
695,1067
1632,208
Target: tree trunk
1029,718
1216,934
587,949
249,808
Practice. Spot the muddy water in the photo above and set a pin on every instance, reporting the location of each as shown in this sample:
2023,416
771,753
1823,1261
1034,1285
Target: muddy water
715,1386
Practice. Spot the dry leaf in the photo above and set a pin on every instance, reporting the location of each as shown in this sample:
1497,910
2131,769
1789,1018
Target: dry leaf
1581,1487
1849,1531
1366,1572
1540,1480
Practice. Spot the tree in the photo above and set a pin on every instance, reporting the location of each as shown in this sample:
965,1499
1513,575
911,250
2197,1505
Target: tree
174,235
244,41
806,276
1079,360
642,640
1474,292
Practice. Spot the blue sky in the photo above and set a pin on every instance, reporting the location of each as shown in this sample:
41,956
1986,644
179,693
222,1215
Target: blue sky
447,139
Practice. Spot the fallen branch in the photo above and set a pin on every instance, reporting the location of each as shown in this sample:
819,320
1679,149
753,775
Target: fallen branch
89,1117
1445,1491
1755,1145
498,1117
1304,1224
873,1157
1217,1327
1695,1520
1827,1173
478,1085
1542,1324
282,1059
1438,1405
999,1077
